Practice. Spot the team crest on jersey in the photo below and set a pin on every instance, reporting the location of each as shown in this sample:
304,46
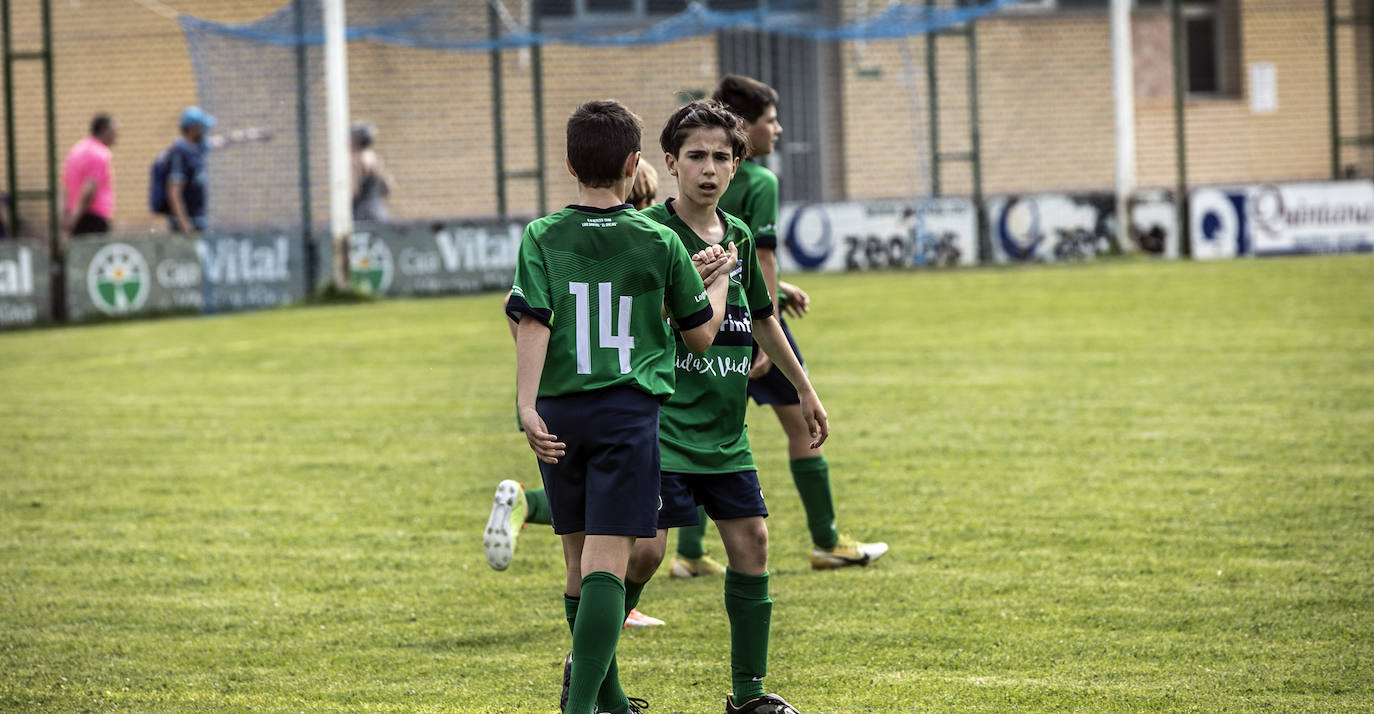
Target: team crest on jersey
370,265
118,280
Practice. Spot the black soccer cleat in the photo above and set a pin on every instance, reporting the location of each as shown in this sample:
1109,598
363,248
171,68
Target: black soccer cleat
567,681
766,704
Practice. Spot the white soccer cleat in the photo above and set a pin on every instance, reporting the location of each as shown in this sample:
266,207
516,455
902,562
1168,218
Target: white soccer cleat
639,619
846,552
503,527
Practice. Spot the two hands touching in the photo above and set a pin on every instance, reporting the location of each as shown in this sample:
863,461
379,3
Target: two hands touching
714,262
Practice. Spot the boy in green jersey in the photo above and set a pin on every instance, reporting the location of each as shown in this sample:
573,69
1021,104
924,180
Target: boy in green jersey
512,506
702,435
594,360
753,198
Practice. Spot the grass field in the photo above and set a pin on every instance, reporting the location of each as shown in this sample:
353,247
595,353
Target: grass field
1120,487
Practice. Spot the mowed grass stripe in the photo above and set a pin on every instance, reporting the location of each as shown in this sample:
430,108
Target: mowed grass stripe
1117,487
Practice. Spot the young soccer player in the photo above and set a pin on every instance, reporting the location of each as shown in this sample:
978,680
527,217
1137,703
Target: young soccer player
594,359
513,506
753,198
702,436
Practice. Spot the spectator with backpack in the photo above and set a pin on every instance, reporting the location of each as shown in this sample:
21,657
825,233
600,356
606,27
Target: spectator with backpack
176,186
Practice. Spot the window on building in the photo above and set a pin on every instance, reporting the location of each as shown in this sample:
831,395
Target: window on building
1211,36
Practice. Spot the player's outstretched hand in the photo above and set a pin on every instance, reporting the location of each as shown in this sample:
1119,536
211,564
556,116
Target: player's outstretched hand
707,261
798,303
546,446
817,421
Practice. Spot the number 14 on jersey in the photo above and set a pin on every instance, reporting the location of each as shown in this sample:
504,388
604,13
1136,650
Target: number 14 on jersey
618,339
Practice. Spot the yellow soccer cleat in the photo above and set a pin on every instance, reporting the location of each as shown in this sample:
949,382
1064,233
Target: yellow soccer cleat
845,553
685,568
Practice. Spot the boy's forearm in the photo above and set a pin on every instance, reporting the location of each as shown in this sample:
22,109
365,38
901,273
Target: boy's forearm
768,333
531,346
718,292
768,265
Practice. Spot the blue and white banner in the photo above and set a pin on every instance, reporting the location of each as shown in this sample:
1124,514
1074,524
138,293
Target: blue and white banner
1282,219
1050,227
872,235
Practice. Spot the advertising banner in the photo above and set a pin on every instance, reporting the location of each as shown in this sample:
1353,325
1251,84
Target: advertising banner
1154,223
873,235
1051,227
135,275
431,259
1282,219
25,285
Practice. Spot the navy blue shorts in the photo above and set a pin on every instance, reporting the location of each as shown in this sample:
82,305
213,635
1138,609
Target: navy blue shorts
773,388
725,496
607,481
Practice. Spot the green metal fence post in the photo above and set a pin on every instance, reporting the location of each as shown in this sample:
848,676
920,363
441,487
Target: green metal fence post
1333,95
1185,243
498,146
50,119
11,165
537,68
303,139
933,92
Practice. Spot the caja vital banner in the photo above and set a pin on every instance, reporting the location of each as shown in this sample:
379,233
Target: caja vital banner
25,286
1282,219
430,259
134,275
878,234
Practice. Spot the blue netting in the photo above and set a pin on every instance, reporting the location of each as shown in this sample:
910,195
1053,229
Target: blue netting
419,71
447,26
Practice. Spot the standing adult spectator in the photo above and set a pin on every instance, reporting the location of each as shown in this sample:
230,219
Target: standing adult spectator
88,177
186,194
371,182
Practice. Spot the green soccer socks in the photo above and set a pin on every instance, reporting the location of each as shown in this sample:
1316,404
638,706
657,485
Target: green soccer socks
750,611
812,477
689,538
596,619
537,507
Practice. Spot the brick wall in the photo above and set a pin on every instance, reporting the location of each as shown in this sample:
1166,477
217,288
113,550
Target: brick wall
1044,90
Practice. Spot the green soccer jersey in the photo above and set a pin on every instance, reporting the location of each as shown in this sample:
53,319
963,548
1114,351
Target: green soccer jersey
600,279
701,428
752,197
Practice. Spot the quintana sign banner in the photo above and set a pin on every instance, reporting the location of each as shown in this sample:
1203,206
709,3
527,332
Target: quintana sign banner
25,286
1282,219
878,234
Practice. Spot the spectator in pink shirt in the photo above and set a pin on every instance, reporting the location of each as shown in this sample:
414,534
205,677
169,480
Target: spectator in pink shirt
89,180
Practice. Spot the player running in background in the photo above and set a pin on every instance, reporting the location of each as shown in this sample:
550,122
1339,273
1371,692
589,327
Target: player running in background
702,435
753,198
594,360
